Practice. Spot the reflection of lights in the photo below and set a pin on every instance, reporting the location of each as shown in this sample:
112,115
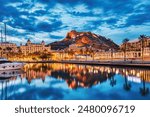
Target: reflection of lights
117,71
90,71
73,84
79,72
138,74
133,72
95,71
84,72
126,73
134,79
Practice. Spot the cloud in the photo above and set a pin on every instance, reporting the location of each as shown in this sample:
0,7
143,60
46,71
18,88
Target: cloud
55,18
118,34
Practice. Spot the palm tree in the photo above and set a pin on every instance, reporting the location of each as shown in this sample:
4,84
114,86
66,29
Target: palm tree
50,55
45,50
142,38
125,41
71,53
144,91
65,53
86,52
92,52
81,52
44,57
112,51
9,49
61,52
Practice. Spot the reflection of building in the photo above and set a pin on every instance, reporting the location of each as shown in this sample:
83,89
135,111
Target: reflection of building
33,47
34,71
80,75
84,76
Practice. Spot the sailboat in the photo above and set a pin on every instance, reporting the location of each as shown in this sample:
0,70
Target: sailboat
6,64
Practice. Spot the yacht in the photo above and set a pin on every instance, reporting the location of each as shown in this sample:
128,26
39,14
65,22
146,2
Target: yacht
9,65
9,74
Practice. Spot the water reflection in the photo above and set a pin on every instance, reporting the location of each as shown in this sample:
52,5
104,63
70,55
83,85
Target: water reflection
77,77
6,79
144,90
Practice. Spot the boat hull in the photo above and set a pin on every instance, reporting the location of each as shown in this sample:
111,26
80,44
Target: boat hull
9,74
11,66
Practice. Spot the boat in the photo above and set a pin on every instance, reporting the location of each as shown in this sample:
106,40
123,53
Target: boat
9,74
9,65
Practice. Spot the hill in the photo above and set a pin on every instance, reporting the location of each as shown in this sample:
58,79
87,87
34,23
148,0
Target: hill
84,39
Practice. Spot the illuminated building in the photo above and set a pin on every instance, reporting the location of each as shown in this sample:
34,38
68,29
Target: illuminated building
135,45
7,47
30,47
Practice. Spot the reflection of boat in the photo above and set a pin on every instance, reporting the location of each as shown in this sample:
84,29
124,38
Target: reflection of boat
9,65
9,74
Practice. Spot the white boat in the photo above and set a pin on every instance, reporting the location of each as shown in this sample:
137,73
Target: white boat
9,65
9,74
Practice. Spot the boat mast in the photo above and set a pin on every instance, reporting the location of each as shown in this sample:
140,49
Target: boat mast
1,35
5,31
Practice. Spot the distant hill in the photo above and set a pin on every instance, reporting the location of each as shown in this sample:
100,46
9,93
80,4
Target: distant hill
84,39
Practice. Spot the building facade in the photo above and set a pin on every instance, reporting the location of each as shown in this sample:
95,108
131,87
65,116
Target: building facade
135,45
30,47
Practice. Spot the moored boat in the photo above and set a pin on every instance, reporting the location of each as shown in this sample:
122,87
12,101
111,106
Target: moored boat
9,65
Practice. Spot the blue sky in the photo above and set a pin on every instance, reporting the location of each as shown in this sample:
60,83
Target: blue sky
50,20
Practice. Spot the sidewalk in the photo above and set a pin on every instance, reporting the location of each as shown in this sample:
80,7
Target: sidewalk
106,63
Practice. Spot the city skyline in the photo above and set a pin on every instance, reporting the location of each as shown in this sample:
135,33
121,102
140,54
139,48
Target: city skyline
51,20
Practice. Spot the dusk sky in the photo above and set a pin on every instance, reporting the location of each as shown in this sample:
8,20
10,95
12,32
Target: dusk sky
50,20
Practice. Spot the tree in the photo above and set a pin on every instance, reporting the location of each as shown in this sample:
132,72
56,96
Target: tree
9,49
92,52
43,56
71,52
61,52
125,41
81,52
50,55
112,52
65,53
86,51
142,38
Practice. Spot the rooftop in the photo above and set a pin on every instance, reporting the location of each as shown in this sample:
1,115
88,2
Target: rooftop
6,43
133,41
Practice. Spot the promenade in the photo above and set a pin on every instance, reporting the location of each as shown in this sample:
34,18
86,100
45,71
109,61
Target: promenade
144,64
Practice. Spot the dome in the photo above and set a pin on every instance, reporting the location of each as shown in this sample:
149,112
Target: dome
28,40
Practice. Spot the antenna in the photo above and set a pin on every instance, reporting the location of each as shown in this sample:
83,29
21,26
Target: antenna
5,31
1,35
